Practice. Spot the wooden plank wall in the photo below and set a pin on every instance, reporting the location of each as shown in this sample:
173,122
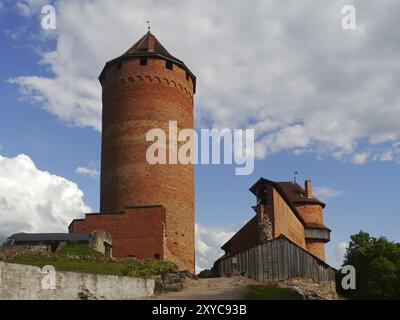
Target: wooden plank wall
276,260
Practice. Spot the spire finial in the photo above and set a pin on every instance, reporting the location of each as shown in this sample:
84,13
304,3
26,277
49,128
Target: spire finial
148,25
295,176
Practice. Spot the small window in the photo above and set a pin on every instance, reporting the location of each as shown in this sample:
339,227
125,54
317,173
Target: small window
157,256
262,197
168,65
143,61
119,65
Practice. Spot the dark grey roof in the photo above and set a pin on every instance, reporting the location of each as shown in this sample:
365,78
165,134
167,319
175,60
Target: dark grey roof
38,237
297,194
293,191
141,49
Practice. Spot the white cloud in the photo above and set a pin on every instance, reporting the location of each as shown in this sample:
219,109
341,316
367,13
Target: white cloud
290,71
360,158
326,193
29,8
389,154
339,253
32,200
23,9
88,171
208,245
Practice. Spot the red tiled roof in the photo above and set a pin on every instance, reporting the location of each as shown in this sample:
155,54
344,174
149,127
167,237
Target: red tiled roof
297,194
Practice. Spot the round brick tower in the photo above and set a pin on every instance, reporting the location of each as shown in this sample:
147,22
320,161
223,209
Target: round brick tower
144,89
316,233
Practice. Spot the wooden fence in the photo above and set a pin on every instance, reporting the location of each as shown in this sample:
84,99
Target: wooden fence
276,260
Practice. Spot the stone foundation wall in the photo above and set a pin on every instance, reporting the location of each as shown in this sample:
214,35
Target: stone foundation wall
98,239
19,282
312,290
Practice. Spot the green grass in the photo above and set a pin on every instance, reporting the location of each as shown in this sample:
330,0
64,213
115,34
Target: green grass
147,268
266,292
76,249
4,245
61,262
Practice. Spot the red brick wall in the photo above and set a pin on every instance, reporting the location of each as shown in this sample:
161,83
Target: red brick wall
136,232
317,248
311,213
137,99
245,238
286,222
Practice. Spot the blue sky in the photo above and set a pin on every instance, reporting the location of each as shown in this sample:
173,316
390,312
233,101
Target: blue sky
356,159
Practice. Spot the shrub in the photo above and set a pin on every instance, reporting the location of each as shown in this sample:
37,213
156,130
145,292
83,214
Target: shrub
377,264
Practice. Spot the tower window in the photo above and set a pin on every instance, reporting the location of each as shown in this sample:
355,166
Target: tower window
187,75
157,256
119,65
168,65
262,197
143,61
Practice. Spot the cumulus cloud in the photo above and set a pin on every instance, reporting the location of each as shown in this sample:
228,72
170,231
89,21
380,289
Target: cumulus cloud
208,245
391,153
289,71
360,158
23,9
29,8
90,171
32,200
326,193
339,254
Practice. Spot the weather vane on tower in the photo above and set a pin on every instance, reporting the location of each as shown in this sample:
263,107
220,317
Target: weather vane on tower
295,176
148,25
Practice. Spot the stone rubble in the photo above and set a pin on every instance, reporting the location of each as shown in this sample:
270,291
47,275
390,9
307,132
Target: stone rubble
312,290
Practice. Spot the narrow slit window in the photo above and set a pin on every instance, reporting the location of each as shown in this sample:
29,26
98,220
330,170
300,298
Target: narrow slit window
168,65
143,61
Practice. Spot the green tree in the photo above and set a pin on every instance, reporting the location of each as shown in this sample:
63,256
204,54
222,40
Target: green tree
377,264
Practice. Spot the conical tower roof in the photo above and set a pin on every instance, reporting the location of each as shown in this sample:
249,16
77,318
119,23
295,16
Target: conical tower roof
149,46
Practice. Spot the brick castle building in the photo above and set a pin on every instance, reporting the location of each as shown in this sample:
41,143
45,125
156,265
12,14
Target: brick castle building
283,209
148,209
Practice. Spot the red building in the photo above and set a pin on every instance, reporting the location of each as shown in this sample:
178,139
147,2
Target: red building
283,208
148,209
141,243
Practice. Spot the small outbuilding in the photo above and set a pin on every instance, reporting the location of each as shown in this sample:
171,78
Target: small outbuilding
99,240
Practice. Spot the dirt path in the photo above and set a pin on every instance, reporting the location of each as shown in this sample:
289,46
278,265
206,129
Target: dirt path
210,289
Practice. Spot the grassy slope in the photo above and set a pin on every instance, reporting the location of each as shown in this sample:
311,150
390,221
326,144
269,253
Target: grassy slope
78,250
62,262
265,292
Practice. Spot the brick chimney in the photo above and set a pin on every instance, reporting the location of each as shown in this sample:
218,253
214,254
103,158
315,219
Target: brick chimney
307,187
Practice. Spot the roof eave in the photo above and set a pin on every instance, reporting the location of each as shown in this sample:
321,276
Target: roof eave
316,202
148,54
